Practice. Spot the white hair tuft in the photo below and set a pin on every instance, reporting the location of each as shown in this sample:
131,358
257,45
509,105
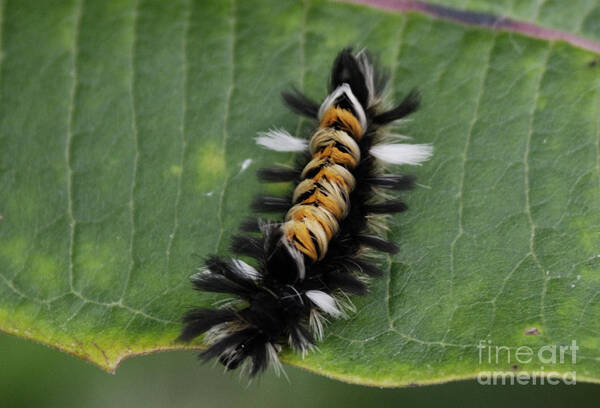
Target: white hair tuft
403,153
281,141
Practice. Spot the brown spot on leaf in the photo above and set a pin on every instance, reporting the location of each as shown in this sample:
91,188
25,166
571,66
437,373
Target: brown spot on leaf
532,331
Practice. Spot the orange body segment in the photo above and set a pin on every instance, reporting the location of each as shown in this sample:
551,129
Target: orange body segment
322,200
344,119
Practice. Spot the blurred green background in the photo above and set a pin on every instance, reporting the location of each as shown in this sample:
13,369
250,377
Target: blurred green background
34,375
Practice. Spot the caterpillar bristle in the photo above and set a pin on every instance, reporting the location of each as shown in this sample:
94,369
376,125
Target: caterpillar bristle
198,321
269,204
341,279
378,244
346,70
368,268
300,103
408,105
277,174
250,225
386,207
394,182
306,263
249,246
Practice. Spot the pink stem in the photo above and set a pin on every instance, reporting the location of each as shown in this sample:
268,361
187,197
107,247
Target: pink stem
482,19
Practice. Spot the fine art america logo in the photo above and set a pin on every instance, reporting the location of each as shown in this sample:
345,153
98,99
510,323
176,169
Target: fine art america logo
549,355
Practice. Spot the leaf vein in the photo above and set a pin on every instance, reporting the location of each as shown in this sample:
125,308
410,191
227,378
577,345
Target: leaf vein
464,155
597,140
538,8
134,132
225,136
389,260
527,187
122,305
461,185
184,144
69,142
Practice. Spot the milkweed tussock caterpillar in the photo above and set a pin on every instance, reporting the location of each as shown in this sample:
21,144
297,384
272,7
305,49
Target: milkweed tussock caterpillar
309,262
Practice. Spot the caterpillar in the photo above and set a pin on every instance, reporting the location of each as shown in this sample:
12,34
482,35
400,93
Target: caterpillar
310,260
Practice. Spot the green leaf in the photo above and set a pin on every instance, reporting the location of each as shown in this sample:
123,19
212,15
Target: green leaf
127,154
